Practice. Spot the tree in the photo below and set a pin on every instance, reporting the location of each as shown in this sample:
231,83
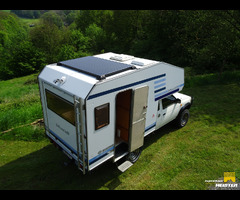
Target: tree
49,39
52,18
79,41
97,38
212,43
157,36
27,59
71,16
67,52
124,29
101,18
12,32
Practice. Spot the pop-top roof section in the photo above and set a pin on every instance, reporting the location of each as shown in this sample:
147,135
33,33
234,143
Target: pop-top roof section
97,67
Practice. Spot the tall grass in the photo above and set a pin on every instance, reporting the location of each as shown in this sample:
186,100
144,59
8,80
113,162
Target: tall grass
15,116
19,104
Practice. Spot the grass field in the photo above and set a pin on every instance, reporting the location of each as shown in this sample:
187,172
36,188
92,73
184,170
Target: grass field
172,159
27,21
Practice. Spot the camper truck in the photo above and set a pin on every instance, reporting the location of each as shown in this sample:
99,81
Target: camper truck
101,107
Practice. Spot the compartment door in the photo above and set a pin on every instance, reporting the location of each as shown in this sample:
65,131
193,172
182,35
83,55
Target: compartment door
139,110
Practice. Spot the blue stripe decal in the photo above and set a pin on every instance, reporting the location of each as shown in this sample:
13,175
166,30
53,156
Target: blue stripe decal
158,86
169,93
101,155
165,93
160,94
159,81
159,90
150,126
124,87
180,85
63,142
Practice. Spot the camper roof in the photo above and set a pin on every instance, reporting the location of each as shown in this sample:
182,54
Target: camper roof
97,67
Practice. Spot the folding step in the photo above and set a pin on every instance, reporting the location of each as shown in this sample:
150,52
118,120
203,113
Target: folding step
125,165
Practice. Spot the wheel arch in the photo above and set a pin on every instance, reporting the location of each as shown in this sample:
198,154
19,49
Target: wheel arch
186,106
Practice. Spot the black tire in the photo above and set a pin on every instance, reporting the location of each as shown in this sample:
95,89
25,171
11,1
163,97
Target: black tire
133,156
182,119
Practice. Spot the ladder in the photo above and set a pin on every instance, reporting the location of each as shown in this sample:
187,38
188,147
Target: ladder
78,107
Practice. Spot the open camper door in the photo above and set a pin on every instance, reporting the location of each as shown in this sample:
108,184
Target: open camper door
139,110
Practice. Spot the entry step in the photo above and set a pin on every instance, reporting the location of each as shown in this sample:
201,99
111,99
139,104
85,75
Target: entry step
124,166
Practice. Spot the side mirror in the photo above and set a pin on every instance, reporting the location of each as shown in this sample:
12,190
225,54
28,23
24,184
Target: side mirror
178,101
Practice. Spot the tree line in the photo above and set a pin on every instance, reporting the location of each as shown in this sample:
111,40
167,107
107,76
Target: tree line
205,41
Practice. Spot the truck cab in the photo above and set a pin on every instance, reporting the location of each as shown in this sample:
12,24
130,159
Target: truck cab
171,108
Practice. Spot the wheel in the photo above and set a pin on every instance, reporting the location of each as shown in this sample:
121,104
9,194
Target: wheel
183,118
133,156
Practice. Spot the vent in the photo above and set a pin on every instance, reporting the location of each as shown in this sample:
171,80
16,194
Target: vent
141,62
134,62
122,57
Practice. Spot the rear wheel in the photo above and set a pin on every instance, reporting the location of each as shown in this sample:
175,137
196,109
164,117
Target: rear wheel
183,118
133,156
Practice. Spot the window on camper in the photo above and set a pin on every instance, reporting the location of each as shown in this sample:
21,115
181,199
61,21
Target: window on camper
60,106
101,116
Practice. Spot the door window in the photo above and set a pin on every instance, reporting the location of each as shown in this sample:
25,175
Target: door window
168,101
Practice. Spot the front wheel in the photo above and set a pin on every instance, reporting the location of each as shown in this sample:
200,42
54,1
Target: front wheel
183,118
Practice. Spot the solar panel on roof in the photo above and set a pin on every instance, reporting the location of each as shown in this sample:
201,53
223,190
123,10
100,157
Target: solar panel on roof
97,67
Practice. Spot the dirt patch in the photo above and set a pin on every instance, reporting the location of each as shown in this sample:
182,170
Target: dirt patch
38,122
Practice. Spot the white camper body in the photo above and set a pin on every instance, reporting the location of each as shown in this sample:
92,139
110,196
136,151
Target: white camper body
100,107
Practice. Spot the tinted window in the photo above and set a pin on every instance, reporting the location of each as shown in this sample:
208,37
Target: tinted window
60,106
168,101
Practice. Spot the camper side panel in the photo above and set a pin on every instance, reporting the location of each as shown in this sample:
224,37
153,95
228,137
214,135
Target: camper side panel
100,127
101,141
162,79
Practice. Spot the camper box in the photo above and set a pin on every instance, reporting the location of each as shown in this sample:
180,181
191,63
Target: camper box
100,107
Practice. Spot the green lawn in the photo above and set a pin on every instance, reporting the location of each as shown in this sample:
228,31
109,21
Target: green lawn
28,21
172,159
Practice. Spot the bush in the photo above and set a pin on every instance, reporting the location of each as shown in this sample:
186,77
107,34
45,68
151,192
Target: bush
27,59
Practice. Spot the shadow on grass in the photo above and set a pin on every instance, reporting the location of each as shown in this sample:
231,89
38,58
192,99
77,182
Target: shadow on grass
47,169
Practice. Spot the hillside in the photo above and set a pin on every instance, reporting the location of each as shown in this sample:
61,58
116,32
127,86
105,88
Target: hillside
206,41
171,159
